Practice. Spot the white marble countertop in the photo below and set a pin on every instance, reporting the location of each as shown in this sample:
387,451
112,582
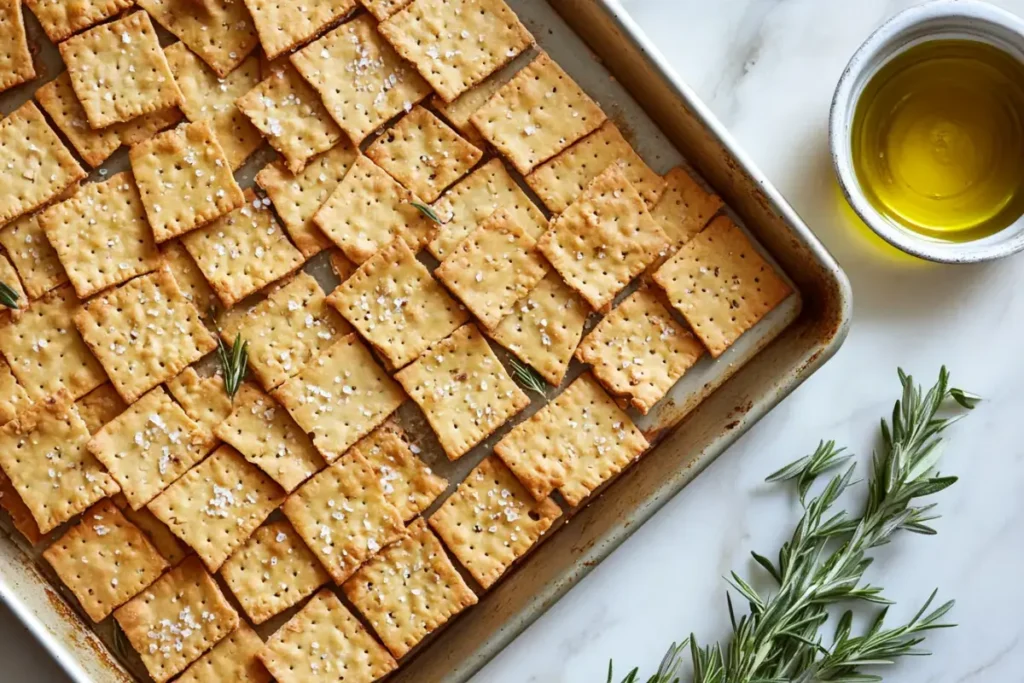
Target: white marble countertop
767,68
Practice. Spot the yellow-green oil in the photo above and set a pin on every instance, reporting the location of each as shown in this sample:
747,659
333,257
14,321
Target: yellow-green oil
938,139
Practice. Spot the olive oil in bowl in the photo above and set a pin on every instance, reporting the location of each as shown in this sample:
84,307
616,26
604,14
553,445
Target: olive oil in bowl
938,139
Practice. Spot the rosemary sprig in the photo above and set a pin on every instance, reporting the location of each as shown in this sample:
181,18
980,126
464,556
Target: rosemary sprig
9,296
427,211
824,561
234,363
528,377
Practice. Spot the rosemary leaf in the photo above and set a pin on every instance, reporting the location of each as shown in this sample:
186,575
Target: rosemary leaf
427,211
234,364
528,377
8,296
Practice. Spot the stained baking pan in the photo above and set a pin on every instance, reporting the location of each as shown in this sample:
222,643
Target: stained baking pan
597,44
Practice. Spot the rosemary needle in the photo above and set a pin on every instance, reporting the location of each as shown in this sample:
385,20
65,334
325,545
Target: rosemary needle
427,211
528,377
8,295
234,363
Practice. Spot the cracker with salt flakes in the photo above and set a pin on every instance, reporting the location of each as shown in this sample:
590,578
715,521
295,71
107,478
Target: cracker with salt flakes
15,57
286,330
267,436
232,659
604,239
35,166
119,72
463,389
46,352
215,506
13,396
32,255
362,81
165,542
100,406
685,208
43,451
283,26
487,189
537,114
178,618
204,399
407,482
560,180
396,305
589,423
491,521
209,96
368,209
343,516
721,284
244,251
185,179
149,445
638,351
297,197
324,642
409,590
105,560
493,268
186,273
101,235
61,18
221,32
144,332
146,126
458,111
340,397
423,153
58,100
273,571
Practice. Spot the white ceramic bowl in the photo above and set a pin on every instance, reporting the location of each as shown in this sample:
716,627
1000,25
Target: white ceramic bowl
942,19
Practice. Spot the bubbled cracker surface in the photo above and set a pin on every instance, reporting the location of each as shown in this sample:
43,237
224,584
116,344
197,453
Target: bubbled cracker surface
221,32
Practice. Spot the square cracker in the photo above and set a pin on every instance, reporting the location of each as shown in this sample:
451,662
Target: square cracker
166,543
244,251
382,9
45,351
484,191
493,268
340,397
491,521
721,284
105,560
21,516
456,44
545,327
560,180
177,619
189,278
325,643
273,571
423,153
232,659
13,396
462,388
368,209
101,235
149,445
119,72
286,330
15,58
264,432
394,302
100,406
204,399
285,25
61,18
221,32
685,208
343,516
297,197
185,179
290,114
58,100
43,451
209,96
360,78
215,506
32,255
603,438
537,114
35,166
409,590
458,111
604,239
639,351
407,482
144,332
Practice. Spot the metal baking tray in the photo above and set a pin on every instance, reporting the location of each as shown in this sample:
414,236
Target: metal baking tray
599,45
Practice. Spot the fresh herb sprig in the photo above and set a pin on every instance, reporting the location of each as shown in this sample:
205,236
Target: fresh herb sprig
427,211
824,561
529,378
9,296
234,363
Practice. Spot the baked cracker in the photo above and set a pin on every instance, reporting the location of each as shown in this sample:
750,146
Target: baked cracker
232,659
100,406
58,100
685,208
382,9
288,24
189,278
221,32
21,516
204,399
13,396
458,111
165,542
15,57
32,255
61,18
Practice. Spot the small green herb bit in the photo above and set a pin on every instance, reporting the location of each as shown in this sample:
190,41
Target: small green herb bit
234,364
8,295
427,211
528,377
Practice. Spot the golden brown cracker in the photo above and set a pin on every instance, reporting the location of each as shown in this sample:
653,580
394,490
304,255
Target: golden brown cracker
288,24
15,57
189,278
32,255
58,100
204,399
61,18
100,406
685,208
221,32
232,659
